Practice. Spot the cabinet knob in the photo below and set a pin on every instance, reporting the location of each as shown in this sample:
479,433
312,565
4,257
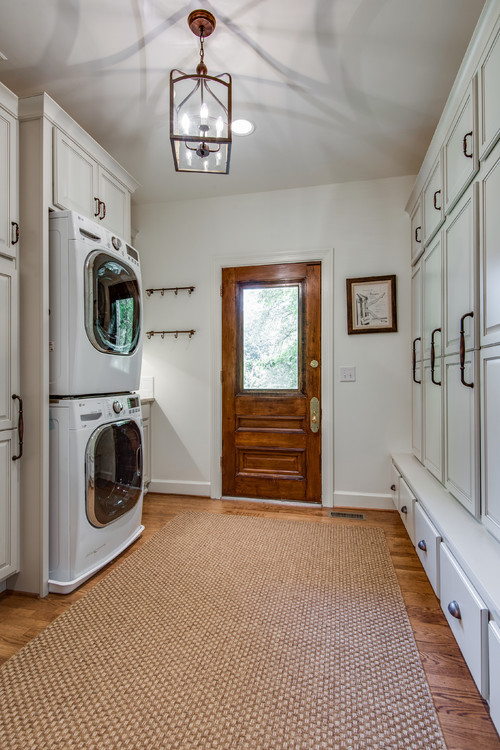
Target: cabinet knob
422,545
454,610
404,509
393,487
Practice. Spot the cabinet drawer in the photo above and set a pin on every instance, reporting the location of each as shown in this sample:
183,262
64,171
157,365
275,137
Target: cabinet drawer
407,508
494,663
395,477
427,542
470,619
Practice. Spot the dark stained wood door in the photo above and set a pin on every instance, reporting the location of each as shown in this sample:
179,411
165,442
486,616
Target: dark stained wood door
271,431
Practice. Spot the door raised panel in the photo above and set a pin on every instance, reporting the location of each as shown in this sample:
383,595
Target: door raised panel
432,315
433,202
489,101
116,200
462,430
490,249
490,413
75,176
460,149
433,419
461,282
417,242
8,184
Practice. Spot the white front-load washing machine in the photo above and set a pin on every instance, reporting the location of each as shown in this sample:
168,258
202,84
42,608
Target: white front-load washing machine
96,484
95,327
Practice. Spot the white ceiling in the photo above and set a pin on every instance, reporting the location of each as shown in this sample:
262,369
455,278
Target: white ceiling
338,90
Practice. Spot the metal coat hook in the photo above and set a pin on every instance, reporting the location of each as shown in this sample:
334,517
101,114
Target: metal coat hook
175,334
175,289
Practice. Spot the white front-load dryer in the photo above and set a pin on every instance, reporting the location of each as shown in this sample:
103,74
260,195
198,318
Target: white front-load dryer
96,485
95,327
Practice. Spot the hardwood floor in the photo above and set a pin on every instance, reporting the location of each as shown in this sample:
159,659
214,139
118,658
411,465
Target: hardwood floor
463,714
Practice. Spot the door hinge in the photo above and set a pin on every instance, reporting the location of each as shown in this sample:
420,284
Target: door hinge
221,461
221,291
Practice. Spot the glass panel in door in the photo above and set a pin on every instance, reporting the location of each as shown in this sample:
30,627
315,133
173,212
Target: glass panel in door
113,305
114,471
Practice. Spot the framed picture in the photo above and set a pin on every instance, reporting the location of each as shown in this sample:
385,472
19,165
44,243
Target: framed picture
371,304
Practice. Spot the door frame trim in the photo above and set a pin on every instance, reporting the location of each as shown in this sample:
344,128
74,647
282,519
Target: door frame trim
325,257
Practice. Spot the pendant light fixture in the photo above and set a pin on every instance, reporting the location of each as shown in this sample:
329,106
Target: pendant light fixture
200,111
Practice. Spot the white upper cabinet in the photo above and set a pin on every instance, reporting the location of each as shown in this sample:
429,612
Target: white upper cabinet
9,180
82,184
417,245
489,99
461,280
432,202
489,242
460,151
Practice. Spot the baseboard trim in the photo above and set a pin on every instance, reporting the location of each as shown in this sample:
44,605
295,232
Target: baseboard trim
176,487
368,500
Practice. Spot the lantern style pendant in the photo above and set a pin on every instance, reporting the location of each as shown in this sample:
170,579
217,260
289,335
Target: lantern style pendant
200,111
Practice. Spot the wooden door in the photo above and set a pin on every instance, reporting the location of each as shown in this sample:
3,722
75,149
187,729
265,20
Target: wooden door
271,412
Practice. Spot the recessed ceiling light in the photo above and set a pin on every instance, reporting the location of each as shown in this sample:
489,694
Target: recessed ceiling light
242,127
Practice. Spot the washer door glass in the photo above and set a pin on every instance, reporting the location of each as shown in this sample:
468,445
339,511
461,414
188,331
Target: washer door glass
114,471
112,296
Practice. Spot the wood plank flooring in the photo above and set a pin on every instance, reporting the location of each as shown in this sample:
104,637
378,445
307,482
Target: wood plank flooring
463,714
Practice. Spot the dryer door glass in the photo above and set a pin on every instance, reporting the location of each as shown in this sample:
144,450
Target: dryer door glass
114,471
112,300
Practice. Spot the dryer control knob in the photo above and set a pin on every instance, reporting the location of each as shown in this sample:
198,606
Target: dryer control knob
116,243
117,407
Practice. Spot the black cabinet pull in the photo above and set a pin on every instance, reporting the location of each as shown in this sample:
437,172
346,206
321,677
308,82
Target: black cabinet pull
438,208
15,232
414,360
462,350
102,210
433,356
466,152
20,427
97,206
418,234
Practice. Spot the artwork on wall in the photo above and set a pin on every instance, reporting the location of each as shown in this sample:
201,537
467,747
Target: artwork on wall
371,304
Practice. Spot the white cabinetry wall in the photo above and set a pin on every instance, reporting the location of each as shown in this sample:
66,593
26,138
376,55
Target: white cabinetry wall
456,355
9,337
61,166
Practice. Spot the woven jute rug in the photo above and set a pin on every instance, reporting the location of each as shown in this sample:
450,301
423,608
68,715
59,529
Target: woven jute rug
229,632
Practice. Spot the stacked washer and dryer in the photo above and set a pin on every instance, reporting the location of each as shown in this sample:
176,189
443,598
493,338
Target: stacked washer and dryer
96,466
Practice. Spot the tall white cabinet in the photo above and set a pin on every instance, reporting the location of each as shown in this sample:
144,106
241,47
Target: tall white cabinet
10,400
454,472
61,166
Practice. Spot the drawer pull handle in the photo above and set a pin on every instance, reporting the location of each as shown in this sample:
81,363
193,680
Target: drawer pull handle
404,509
465,145
393,487
438,208
422,545
454,610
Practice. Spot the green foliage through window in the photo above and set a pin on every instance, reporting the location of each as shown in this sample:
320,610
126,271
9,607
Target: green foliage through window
271,338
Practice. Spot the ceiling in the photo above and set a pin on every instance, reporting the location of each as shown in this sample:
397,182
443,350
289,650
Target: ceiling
339,90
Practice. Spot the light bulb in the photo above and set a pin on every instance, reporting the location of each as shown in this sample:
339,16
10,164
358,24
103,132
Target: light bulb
219,126
204,114
185,123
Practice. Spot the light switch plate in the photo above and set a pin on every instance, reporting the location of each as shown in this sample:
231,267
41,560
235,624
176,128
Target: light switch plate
347,374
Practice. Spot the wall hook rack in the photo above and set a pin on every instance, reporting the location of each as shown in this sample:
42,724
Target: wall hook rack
175,334
175,289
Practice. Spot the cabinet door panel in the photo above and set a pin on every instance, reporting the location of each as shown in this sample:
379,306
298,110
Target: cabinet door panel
116,199
9,209
407,509
433,419
461,260
490,250
490,412
416,408
461,435
460,149
9,506
75,176
417,243
433,202
432,315
489,101
9,316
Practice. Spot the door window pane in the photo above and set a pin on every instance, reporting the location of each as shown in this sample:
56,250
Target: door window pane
271,338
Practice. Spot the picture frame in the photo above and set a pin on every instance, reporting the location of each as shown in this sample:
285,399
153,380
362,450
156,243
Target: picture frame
371,304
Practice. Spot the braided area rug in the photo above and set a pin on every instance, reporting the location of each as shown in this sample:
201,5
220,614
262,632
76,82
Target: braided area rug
227,632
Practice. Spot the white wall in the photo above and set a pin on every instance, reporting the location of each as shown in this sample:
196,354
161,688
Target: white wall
366,225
